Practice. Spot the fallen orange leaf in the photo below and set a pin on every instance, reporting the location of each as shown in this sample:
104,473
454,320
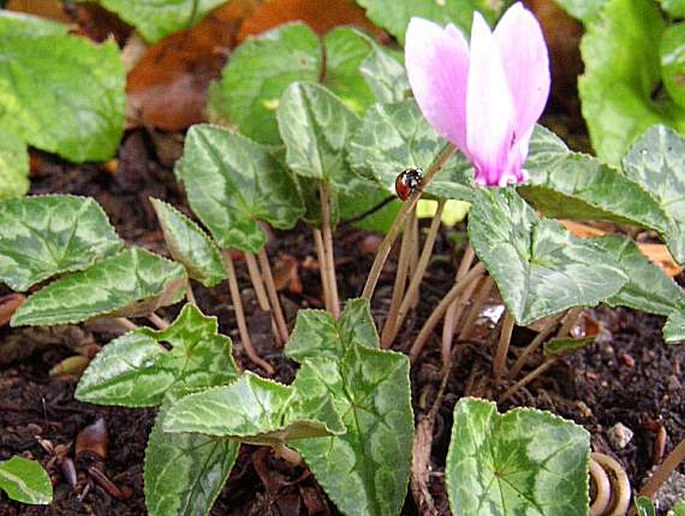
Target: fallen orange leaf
168,87
320,15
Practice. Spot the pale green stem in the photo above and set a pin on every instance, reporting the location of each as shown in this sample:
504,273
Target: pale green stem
407,207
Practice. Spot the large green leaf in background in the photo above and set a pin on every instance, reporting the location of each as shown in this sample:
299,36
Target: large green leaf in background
254,410
155,19
523,462
14,166
396,136
315,126
657,162
584,10
260,70
51,234
395,18
133,283
136,370
25,480
233,183
676,8
672,50
189,245
61,93
184,473
365,470
571,185
539,267
622,71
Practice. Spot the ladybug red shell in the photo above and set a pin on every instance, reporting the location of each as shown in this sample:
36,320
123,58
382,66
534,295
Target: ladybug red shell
408,181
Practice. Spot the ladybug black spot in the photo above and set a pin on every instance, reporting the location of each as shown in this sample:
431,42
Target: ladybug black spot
408,181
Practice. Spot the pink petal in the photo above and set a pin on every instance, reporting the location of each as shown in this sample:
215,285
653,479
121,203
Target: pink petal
526,64
489,107
437,62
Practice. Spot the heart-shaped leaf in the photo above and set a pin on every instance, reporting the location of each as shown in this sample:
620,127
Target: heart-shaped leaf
131,284
155,19
61,93
523,462
396,136
262,68
189,245
184,473
234,183
318,335
138,369
570,185
366,469
14,166
52,234
648,288
622,70
539,267
657,162
315,126
25,481
254,410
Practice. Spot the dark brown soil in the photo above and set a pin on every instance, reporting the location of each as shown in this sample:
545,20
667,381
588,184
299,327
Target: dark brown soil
627,376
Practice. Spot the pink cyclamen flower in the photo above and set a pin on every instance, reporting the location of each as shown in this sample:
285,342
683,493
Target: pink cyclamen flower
484,97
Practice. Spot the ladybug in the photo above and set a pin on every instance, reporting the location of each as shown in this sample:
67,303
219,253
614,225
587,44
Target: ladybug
408,181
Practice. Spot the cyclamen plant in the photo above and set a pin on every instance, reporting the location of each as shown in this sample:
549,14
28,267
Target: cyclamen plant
348,413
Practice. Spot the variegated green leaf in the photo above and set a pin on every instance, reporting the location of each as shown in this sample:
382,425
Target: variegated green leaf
657,162
571,185
386,75
674,329
318,335
138,369
234,183
648,288
52,234
254,410
25,481
184,473
523,462
133,283
189,245
315,126
365,470
539,267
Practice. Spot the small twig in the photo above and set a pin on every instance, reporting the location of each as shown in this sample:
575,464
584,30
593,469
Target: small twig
499,363
240,316
417,277
392,321
327,233
663,472
569,320
452,316
126,323
190,295
321,255
273,295
384,249
483,293
527,379
473,275
539,339
159,322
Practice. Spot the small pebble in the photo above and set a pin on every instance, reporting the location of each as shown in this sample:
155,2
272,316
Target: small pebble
619,435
